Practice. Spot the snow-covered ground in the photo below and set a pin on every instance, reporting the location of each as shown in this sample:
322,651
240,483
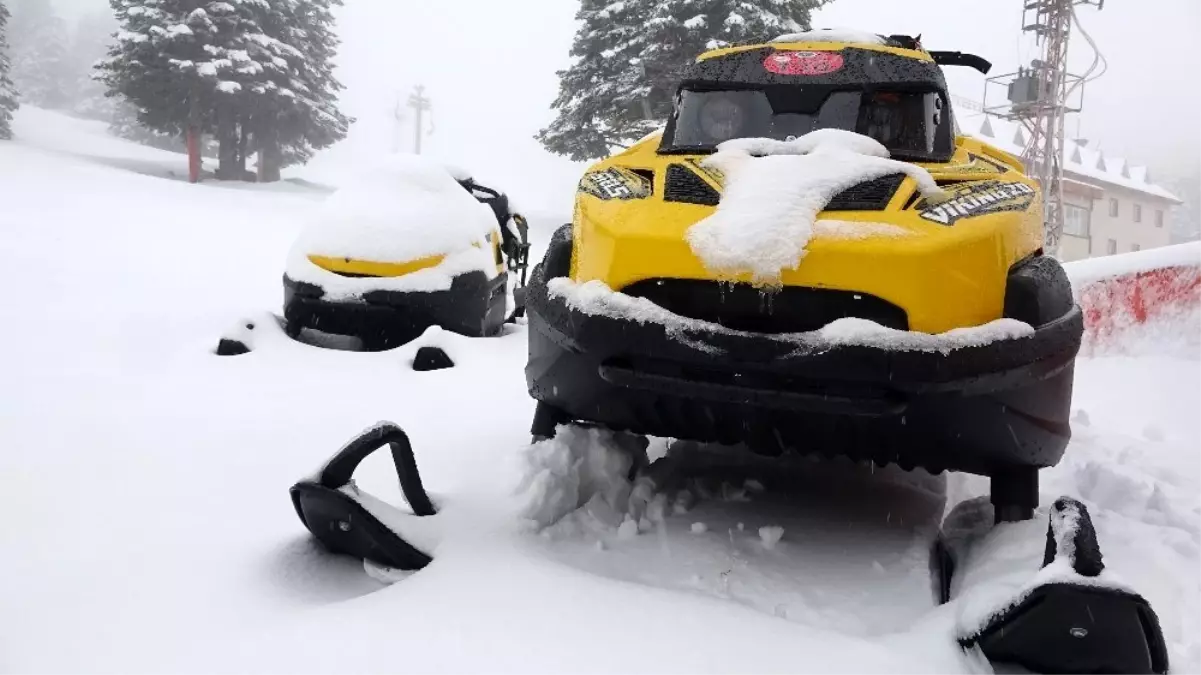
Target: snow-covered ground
148,526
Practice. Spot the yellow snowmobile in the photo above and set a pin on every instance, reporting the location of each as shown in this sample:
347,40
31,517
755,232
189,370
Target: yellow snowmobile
439,253
743,363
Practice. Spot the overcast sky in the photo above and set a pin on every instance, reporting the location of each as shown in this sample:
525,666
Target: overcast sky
489,68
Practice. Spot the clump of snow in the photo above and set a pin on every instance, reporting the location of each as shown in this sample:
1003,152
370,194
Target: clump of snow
400,210
580,480
596,298
833,35
773,192
865,333
628,529
770,535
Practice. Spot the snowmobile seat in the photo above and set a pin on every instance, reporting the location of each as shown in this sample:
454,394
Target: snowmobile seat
336,513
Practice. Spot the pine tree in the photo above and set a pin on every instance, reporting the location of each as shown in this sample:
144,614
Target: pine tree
172,60
599,100
681,29
629,56
41,66
297,113
8,93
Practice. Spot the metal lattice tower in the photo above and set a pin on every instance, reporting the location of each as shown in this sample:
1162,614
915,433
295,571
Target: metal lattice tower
1038,97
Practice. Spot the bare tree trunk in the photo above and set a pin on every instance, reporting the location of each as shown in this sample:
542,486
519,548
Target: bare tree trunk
227,137
193,133
270,156
243,145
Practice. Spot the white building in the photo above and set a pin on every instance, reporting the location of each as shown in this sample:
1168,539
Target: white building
1110,206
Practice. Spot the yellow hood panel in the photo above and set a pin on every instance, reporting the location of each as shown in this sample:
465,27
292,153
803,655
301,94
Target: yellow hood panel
944,275
366,268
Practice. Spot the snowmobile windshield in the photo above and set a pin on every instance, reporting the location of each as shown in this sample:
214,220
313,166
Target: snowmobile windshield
913,125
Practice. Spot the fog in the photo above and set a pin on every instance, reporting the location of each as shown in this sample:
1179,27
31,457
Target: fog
489,69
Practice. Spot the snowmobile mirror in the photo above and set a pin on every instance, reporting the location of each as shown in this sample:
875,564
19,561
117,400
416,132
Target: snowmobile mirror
960,59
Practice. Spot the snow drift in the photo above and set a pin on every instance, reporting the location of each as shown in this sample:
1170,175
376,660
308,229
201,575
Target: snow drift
1141,302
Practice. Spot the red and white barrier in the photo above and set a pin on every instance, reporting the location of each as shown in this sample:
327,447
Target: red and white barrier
1139,302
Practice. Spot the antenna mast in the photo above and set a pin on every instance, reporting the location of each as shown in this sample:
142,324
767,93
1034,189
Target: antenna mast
1039,97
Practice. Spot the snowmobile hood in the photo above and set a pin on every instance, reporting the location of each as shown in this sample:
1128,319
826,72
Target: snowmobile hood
943,261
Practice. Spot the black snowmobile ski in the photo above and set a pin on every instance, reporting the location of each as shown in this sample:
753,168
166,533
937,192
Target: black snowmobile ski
1071,620
333,510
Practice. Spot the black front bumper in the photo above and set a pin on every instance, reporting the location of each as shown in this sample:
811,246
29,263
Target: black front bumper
473,306
983,410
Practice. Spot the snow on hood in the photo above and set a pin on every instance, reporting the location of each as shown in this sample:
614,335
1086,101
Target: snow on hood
832,35
405,208
774,191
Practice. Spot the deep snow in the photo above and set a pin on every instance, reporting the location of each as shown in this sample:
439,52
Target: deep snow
146,479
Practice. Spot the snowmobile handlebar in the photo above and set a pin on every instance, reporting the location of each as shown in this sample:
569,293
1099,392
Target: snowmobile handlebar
961,59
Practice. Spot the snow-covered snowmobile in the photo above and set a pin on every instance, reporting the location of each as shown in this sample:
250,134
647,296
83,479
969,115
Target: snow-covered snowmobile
415,245
911,319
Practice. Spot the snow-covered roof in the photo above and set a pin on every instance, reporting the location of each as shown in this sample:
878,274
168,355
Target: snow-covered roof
1085,164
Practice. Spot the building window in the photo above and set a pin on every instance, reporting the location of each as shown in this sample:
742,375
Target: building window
1135,247
1138,213
1111,247
1158,217
1076,220
1113,207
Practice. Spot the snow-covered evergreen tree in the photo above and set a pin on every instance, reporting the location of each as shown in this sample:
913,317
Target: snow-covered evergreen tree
8,93
681,29
41,66
598,103
257,73
157,63
629,55
304,109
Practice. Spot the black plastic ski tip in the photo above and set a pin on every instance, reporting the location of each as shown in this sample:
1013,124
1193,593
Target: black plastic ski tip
342,524
431,358
1065,627
1076,525
228,347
